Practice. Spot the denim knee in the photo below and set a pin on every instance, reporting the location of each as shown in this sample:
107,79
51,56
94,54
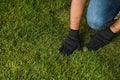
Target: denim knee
95,23
102,12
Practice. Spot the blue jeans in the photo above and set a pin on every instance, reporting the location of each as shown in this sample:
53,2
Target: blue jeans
101,13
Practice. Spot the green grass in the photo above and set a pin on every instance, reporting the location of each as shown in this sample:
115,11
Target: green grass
31,32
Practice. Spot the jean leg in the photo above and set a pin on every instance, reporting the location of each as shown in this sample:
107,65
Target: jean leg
102,12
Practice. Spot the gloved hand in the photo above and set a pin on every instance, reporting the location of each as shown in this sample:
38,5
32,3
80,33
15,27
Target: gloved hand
71,43
100,39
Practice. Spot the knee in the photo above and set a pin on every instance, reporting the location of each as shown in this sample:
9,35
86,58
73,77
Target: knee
95,23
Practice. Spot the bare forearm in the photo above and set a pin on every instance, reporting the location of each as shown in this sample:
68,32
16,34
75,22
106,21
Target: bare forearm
77,8
116,26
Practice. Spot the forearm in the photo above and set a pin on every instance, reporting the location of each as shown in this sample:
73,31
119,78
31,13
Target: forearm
77,8
116,26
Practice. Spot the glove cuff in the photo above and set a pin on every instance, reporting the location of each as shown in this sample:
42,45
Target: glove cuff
74,33
110,33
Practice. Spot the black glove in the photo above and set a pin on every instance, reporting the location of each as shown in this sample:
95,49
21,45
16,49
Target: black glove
71,43
100,39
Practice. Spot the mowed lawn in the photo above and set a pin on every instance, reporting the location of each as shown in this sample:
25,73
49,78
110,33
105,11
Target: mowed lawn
31,32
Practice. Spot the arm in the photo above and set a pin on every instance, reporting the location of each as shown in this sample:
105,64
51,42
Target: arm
72,42
115,28
77,8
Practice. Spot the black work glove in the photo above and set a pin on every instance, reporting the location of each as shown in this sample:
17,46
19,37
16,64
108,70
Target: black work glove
71,43
100,39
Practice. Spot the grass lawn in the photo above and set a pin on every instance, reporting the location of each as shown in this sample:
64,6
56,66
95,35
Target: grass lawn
31,32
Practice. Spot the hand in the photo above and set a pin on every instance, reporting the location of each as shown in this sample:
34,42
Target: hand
100,39
71,43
